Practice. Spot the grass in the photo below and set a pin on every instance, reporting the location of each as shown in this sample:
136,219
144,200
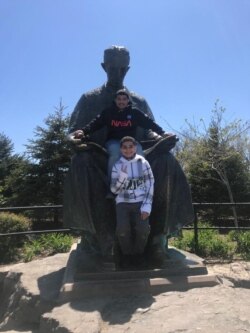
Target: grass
46,245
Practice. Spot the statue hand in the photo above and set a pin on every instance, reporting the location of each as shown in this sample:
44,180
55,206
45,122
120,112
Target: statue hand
79,134
166,135
76,137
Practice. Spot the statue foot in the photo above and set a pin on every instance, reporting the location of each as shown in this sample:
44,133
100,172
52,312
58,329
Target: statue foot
157,256
125,262
89,262
157,251
139,262
133,262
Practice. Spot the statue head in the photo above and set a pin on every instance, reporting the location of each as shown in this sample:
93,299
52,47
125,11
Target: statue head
116,64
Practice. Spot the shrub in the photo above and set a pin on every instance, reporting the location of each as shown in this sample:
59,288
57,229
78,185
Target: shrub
185,241
242,239
210,243
47,244
9,246
10,222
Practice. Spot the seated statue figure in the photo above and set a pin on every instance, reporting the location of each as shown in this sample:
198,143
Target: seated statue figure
86,208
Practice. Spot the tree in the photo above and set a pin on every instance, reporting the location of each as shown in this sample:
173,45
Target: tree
13,173
6,146
50,155
6,149
215,159
16,189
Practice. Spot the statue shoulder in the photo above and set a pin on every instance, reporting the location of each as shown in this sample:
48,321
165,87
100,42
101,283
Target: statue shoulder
137,97
92,94
140,102
91,100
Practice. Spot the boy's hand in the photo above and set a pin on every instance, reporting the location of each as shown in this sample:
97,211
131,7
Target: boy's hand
124,168
144,215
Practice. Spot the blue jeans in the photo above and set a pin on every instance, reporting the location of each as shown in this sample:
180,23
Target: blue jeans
113,149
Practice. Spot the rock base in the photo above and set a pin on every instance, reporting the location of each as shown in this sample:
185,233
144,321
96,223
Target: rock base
180,271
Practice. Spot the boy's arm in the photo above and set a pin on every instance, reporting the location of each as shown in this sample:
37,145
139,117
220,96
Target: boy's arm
118,178
149,188
95,124
146,122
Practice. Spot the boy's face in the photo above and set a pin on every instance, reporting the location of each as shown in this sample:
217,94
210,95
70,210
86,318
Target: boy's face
128,150
121,101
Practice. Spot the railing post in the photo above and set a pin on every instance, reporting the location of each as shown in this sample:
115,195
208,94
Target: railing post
196,240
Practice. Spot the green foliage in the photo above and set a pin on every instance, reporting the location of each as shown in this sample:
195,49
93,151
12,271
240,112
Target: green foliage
216,159
37,177
242,239
32,249
15,190
10,222
47,244
211,244
185,241
50,153
14,248
9,246
58,243
6,147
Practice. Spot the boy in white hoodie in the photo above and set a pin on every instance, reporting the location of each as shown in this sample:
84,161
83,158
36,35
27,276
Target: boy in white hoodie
132,181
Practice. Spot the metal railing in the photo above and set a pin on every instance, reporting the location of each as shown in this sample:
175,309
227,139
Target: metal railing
200,205
30,232
194,227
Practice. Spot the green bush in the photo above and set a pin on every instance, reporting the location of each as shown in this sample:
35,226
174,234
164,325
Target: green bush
10,222
47,244
210,243
242,239
23,247
10,245
185,241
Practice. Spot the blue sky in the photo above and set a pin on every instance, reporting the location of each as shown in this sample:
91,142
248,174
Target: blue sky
185,54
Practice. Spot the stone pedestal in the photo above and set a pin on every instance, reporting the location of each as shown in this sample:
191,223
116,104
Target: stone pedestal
181,271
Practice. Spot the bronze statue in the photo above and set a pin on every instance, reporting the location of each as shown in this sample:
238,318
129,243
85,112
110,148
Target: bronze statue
85,206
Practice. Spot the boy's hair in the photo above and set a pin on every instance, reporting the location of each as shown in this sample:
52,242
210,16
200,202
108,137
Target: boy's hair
128,138
122,92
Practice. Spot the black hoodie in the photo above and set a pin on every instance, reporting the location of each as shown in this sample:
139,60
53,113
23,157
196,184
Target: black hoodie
121,123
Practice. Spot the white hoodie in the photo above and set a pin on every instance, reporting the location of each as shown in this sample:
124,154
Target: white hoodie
136,185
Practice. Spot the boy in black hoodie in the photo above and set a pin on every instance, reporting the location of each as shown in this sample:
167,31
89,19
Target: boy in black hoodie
121,119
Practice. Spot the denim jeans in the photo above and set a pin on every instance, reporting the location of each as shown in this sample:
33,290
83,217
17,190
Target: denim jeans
113,149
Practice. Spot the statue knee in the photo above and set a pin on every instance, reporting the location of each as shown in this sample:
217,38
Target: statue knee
81,158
